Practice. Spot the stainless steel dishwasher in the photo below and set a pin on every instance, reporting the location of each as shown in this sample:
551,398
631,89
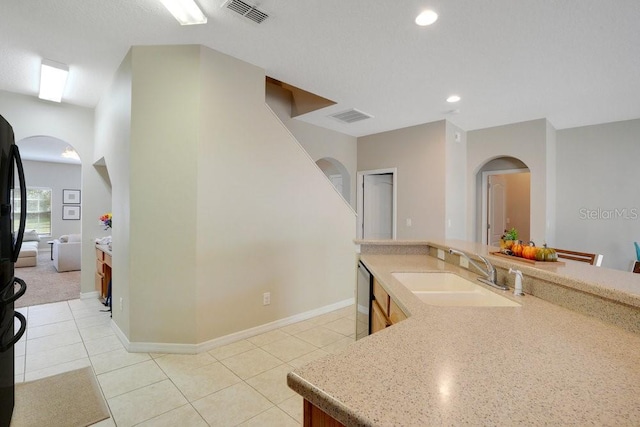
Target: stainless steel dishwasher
363,301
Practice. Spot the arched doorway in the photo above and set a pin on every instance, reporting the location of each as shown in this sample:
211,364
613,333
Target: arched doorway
53,166
504,195
338,175
53,174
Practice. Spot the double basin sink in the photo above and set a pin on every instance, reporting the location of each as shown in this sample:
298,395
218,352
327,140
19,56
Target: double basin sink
443,288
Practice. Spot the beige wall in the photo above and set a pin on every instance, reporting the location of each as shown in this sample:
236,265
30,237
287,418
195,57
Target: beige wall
217,211
268,219
418,152
165,118
455,182
518,203
112,146
318,142
528,142
551,184
598,201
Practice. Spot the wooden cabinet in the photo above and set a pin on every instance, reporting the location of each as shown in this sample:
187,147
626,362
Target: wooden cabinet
395,313
384,310
316,417
103,271
378,320
384,313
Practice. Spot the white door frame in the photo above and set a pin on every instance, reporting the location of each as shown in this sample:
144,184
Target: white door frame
360,200
485,195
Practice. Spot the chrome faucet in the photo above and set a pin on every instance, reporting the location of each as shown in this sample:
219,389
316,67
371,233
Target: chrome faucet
490,271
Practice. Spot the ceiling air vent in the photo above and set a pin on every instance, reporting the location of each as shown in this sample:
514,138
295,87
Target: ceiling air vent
246,10
351,116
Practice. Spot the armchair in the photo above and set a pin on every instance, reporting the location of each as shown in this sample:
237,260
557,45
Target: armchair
67,253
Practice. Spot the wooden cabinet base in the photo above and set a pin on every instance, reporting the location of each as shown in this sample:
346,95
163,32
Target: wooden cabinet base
316,417
103,272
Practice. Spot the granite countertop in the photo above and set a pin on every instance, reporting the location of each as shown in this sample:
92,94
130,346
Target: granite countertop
613,284
104,248
534,364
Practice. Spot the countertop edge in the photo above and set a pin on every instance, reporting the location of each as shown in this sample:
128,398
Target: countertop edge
327,403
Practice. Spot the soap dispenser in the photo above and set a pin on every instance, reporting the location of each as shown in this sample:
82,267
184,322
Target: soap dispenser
517,290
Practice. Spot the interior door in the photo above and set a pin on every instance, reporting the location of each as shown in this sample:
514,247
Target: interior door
497,207
377,218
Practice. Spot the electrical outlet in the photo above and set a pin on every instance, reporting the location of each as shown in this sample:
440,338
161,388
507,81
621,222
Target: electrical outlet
441,254
464,262
121,300
266,298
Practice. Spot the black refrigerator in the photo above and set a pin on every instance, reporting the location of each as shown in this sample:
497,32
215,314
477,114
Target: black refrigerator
12,287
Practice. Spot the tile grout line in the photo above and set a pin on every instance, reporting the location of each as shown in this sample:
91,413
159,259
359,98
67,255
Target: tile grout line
322,324
106,401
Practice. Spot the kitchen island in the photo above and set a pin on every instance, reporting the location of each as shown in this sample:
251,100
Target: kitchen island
538,363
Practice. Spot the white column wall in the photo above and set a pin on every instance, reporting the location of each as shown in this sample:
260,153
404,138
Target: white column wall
163,190
113,135
455,182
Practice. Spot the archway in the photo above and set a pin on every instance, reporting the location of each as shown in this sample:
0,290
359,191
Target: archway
338,175
503,188
53,176
53,172
44,148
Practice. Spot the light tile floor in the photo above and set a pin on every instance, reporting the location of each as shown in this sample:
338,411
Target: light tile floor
243,383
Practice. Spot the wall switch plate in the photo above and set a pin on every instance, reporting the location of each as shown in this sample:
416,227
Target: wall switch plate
121,301
408,222
441,254
464,262
266,298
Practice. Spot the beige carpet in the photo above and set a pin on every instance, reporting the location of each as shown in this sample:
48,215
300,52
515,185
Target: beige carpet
65,400
45,284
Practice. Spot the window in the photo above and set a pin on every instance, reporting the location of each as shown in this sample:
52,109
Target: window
38,210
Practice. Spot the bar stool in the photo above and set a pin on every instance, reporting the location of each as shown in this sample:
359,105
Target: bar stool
589,258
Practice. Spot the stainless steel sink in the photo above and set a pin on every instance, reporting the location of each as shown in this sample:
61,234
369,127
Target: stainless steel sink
443,288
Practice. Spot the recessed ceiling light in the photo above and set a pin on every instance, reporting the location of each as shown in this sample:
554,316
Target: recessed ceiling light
453,98
427,17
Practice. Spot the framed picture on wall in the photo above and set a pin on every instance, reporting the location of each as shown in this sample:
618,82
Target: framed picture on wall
71,197
70,212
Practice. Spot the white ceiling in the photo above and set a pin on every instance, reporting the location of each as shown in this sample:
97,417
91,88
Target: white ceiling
575,62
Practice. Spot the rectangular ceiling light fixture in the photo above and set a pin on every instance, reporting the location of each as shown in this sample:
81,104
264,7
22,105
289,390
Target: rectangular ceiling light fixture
186,12
53,78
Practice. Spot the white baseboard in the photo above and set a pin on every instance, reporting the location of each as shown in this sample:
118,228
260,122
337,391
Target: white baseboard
150,347
89,295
